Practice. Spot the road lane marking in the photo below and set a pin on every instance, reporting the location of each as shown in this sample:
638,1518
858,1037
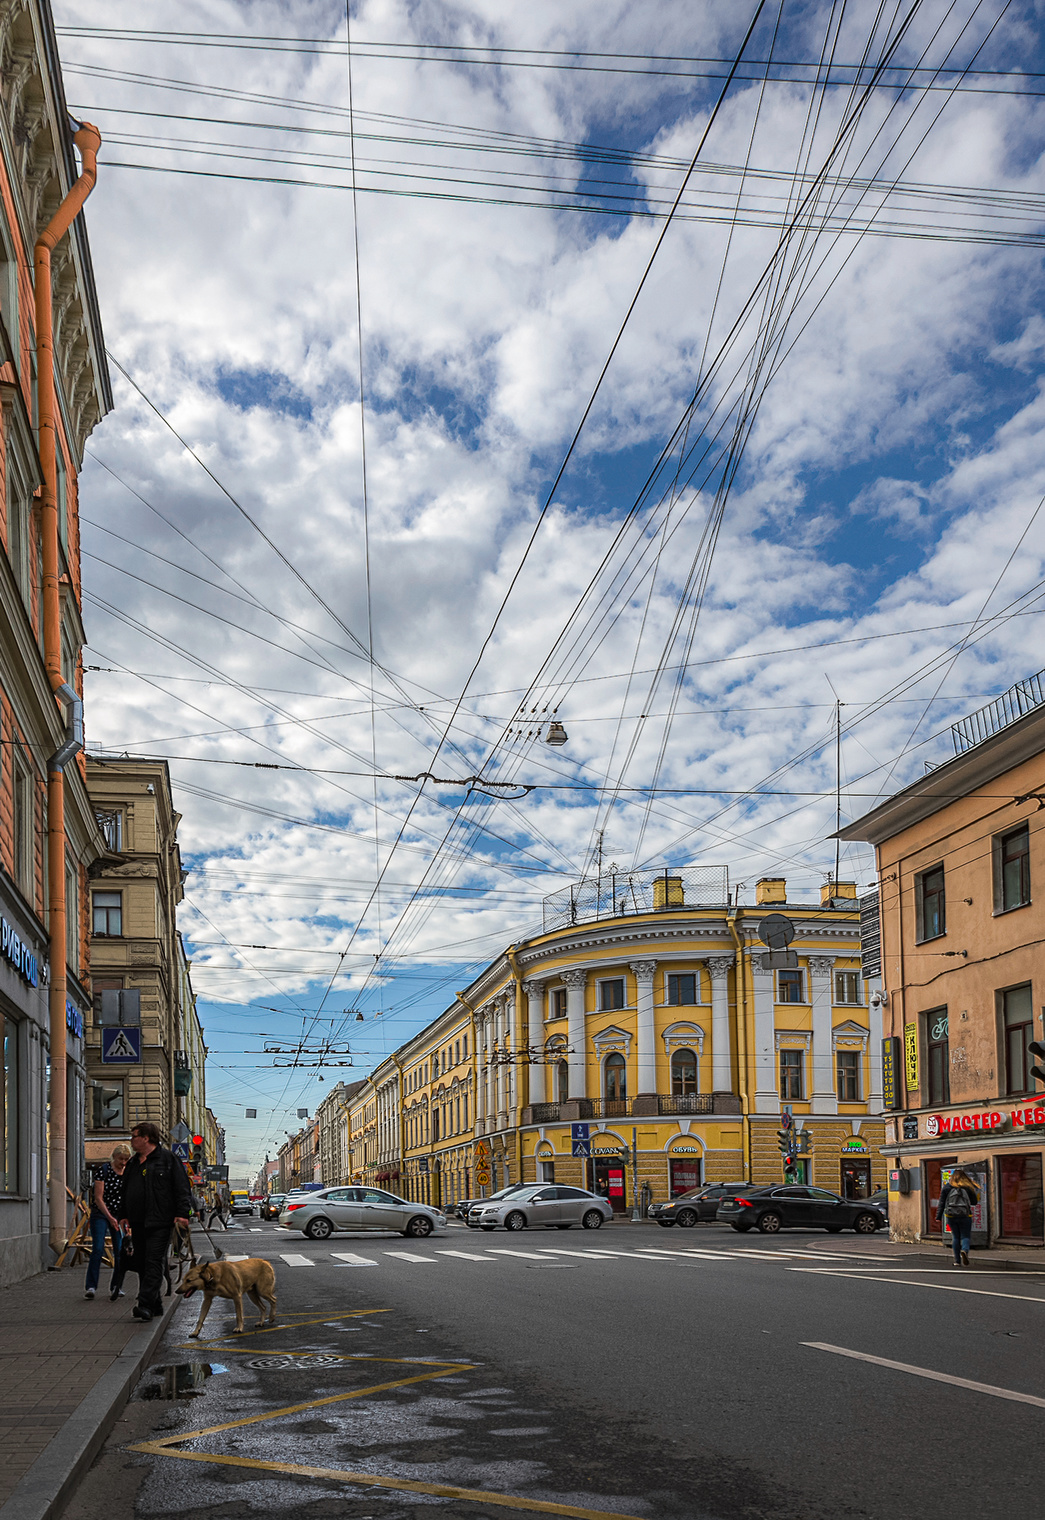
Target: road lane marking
467,1256
238,1258
1030,1298
352,1260
586,1255
291,1261
926,1372
504,1251
256,1230
409,1256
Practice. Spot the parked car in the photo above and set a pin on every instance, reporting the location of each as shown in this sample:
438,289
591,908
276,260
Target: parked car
880,1199
697,1203
542,1204
796,1207
318,1215
272,1205
475,1205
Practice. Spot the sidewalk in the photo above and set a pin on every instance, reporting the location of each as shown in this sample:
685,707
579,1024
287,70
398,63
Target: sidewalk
67,1367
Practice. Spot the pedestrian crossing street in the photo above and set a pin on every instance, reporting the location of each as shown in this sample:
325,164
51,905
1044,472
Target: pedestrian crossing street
551,1255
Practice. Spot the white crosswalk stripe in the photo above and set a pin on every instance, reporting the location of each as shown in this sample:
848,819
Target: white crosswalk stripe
291,1261
590,1255
504,1251
237,1258
409,1256
352,1260
464,1255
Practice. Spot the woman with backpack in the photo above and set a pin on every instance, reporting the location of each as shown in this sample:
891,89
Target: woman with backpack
957,1201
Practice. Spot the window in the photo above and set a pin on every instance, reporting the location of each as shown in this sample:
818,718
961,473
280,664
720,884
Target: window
929,903
1019,1180
465,1101
682,987
9,1043
1012,870
464,1048
457,1052
72,916
848,1062
435,1124
791,1083
562,1082
107,1104
23,825
1018,1013
611,995
110,823
847,987
547,1171
18,534
683,1073
938,1057
790,987
107,916
559,1003
616,1079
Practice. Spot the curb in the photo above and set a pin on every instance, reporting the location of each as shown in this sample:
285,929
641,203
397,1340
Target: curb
43,1491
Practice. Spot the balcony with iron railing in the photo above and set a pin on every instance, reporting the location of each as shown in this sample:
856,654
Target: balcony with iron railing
647,1106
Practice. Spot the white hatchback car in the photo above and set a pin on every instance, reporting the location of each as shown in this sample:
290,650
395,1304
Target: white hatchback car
544,1204
318,1215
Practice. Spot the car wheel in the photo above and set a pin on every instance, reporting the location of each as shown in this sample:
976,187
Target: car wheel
515,1221
833,1229
770,1224
665,1224
419,1226
592,1220
865,1224
319,1229
741,1229
686,1218
564,1227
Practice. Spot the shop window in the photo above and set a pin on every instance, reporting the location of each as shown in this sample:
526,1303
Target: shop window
685,1174
683,1073
9,1106
611,995
847,987
930,904
547,1169
615,1079
107,1110
1012,870
791,1076
938,1057
789,987
559,1003
682,987
1019,1182
848,1063
1018,1015
107,914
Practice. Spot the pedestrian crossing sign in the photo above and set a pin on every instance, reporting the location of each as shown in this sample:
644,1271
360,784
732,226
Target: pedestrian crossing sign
121,1046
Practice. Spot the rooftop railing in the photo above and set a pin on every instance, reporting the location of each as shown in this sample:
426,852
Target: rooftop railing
614,894
1012,705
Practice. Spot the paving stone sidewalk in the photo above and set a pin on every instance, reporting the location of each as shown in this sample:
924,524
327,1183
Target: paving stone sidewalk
54,1347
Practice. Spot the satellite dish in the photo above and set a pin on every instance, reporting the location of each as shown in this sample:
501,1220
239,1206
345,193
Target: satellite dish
776,931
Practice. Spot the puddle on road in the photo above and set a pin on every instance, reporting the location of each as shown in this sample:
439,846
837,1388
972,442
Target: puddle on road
179,1380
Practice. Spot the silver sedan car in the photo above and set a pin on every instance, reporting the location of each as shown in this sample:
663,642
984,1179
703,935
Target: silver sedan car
542,1204
318,1215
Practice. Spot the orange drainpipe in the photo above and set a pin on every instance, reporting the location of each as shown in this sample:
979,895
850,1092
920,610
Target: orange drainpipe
88,139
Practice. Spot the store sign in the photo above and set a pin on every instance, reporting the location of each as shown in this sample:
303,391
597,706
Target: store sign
73,1019
980,1123
854,1146
891,1072
14,949
685,1150
910,1055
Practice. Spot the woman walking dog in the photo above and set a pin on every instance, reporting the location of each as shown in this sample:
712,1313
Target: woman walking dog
106,1200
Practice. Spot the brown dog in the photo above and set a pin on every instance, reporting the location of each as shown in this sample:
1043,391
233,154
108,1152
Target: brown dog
231,1279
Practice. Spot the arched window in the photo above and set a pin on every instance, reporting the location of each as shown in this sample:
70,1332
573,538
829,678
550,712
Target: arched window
615,1078
683,1073
562,1082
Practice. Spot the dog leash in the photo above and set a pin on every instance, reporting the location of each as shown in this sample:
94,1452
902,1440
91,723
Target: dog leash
219,1254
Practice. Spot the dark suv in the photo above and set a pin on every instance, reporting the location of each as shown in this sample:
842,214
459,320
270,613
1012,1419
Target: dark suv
797,1207
698,1203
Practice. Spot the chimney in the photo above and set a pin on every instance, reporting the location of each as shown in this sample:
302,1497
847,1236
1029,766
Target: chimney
838,894
771,889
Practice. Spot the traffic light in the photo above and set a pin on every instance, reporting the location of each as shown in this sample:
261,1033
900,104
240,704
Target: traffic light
783,1140
1036,1048
197,1151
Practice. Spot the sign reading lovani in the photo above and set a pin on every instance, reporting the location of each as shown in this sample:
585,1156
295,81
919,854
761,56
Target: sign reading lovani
14,949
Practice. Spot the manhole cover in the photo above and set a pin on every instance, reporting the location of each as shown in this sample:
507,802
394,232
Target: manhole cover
289,1363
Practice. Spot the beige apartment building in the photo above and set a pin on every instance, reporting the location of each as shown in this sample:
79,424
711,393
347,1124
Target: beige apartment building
961,862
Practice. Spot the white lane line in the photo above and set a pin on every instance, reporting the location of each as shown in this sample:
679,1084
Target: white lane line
1030,1298
291,1261
256,1230
465,1256
503,1251
238,1258
926,1372
409,1256
352,1260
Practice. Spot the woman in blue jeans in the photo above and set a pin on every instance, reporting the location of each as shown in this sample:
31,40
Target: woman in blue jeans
957,1201
106,1199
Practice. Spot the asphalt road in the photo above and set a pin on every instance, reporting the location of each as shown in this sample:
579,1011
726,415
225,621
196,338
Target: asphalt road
661,1374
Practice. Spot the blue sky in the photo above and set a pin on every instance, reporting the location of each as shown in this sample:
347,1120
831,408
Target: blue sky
885,399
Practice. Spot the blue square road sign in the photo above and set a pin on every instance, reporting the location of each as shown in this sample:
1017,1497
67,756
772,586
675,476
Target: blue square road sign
121,1046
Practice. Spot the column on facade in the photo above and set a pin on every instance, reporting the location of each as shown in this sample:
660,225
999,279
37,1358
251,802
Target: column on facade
647,1055
512,1015
767,1098
577,1063
491,1096
874,1019
721,1049
823,1098
501,1083
535,1040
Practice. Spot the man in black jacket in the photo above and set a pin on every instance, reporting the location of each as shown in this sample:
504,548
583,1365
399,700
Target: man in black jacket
156,1196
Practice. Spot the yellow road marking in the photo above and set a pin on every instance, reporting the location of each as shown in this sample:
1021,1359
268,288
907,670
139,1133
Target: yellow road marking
407,1485
443,1369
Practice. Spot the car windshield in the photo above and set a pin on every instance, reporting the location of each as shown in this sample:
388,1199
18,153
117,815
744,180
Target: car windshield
525,1192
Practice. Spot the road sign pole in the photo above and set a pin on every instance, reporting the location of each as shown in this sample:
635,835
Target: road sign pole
636,1214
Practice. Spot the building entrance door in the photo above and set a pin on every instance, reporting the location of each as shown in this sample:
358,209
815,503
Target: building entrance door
856,1177
933,1183
608,1180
